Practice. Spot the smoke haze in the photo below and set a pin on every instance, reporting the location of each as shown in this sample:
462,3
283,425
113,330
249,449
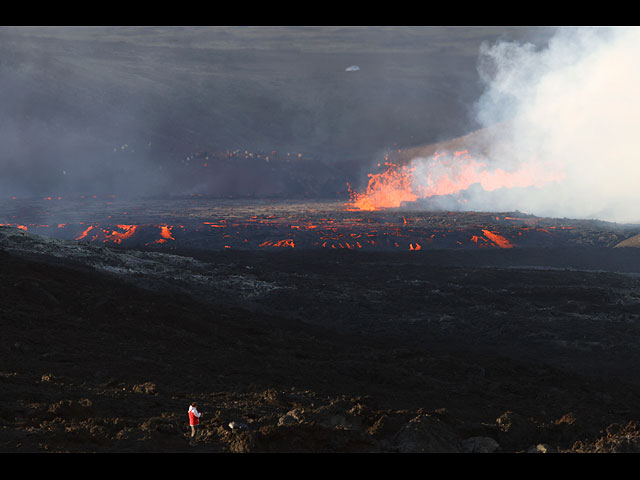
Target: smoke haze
123,110
572,107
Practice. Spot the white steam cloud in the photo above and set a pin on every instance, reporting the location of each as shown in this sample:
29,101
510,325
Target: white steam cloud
572,106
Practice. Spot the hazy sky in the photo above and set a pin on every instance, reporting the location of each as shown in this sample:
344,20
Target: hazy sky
119,109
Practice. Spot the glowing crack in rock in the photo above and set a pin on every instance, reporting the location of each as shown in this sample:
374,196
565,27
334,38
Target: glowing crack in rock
497,239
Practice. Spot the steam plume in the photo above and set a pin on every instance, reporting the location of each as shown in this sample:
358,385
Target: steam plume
573,108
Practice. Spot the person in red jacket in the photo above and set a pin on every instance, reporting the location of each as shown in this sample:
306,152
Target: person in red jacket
194,419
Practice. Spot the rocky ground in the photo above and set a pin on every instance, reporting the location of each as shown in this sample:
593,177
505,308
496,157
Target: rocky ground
316,351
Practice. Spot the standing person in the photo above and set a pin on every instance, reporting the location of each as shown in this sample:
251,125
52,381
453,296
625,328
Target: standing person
194,419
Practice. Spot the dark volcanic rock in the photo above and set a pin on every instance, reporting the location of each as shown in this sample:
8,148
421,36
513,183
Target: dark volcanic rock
426,434
313,353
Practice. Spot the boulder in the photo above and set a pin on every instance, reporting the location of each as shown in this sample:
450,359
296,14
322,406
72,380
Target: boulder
70,410
426,434
292,417
480,445
517,430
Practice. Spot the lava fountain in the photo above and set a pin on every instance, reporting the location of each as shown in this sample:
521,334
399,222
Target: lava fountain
445,174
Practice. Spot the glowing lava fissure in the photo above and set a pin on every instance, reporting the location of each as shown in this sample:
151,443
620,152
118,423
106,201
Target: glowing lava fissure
165,232
497,239
374,231
117,237
284,225
443,174
119,233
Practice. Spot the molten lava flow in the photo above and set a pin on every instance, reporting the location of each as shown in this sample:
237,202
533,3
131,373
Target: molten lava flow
117,237
443,175
476,239
165,232
280,243
21,227
85,233
497,239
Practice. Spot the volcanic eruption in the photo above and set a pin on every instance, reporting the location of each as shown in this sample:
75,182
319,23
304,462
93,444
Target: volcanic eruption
164,239
555,140
558,137
444,174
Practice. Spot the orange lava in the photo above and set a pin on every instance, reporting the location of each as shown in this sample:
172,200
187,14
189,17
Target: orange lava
85,233
280,243
117,237
443,175
165,232
388,189
497,239
21,227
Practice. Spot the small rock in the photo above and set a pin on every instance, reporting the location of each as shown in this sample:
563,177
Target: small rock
237,426
286,420
292,417
271,396
540,448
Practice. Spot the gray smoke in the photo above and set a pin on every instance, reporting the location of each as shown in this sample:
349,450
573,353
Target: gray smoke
574,107
122,110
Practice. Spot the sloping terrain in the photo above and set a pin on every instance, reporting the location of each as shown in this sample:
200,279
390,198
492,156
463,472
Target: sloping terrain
108,360
633,242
